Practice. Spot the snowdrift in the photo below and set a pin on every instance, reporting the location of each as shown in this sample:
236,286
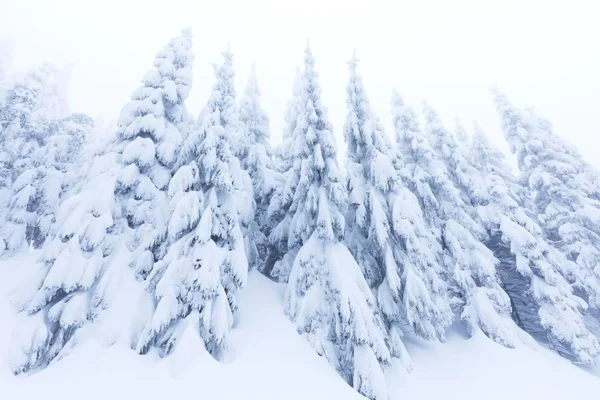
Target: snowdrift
271,361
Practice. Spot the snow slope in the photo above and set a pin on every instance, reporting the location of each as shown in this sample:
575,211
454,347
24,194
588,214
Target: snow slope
272,362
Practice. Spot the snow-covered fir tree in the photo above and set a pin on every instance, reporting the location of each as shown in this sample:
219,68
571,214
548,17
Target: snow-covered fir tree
197,281
469,267
292,111
564,195
462,136
120,206
386,232
40,150
556,181
240,142
327,296
15,117
149,130
283,161
257,160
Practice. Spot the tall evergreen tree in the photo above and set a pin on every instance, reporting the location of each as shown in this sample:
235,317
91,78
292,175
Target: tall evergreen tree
124,199
292,111
38,146
149,132
557,181
386,232
469,267
206,262
564,195
284,161
257,160
231,122
327,297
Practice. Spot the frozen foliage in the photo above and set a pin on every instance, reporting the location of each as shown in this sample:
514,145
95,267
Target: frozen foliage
149,137
471,265
125,188
556,179
68,289
542,301
257,160
327,297
39,153
205,263
17,127
284,161
386,232
239,143
564,192
284,150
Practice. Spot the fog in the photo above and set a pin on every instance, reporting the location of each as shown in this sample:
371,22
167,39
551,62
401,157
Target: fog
542,54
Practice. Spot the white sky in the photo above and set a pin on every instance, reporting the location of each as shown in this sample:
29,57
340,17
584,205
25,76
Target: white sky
540,53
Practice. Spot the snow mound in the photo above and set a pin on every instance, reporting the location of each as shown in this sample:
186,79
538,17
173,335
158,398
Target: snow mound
271,361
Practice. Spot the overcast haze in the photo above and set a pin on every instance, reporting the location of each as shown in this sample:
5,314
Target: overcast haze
543,54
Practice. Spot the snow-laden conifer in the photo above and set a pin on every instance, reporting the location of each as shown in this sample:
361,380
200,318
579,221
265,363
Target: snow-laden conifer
327,296
386,232
257,160
284,161
564,191
469,267
283,151
205,264
122,203
40,150
149,132
558,182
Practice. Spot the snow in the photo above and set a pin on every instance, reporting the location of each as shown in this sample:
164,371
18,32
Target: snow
478,369
277,363
269,363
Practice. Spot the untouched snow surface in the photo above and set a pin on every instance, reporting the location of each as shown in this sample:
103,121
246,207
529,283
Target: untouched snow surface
271,361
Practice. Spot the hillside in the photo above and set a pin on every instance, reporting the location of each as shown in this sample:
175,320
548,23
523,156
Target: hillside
272,362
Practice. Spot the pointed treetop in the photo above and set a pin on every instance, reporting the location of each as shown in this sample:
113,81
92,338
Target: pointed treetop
309,60
252,85
478,131
461,132
187,32
228,55
499,97
429,113
397,99
352,64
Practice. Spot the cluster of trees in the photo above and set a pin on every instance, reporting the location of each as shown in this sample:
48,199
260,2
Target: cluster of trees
414,232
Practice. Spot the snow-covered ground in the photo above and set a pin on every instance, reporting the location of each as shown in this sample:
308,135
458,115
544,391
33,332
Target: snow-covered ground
272,362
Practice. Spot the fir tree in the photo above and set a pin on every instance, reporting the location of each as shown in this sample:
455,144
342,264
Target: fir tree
385,229
292,112
149,132
123,197
206,262
432,165
284,161
257,160
555,178
327,296
564,195
37,150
